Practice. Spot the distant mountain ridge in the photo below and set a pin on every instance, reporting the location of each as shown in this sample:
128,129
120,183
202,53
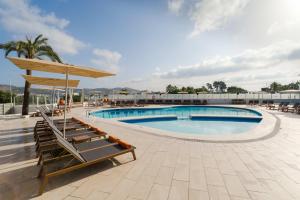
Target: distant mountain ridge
103,91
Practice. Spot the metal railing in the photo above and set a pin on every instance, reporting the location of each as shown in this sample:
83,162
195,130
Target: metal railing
214,96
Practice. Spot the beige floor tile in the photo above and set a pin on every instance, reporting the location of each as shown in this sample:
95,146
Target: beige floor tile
179,190
218,193
72,198
181,172
122,190
261,196
225,167
198,195
209,161
214,177
58,193
234,186
165,176
159,192
142,187
98,183
239,198
250,182
198,179
97,195
276,190
170,160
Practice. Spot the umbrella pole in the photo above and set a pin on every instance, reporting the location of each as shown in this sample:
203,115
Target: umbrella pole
53,94
66,101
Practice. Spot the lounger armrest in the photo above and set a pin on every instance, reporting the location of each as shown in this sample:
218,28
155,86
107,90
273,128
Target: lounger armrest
98,131
113,139
124,144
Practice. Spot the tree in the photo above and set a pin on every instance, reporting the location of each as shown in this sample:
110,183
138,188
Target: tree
201,90
275,87
222,86
172,89
219,86
37,48
237,90
5,96
190,90
209,87
216,85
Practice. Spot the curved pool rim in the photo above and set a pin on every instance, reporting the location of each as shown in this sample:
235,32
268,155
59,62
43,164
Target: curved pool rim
268,127
176,106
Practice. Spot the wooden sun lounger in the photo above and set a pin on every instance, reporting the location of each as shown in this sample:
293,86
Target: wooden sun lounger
60,126
290,107
44,136
91,154
78,146
49,112
85,135
44,129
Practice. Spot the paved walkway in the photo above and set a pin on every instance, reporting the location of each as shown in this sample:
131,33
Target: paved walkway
166,168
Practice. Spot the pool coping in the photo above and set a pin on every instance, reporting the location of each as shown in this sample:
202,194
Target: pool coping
268,126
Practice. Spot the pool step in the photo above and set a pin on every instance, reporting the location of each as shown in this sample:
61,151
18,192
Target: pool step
183,118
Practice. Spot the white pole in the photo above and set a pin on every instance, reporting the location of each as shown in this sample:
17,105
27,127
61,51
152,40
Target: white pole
10,92
66,101
53,94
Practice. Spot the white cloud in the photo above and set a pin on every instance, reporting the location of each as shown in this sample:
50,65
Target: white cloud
21,18
209,15
252,59
175,5
107,59
285,27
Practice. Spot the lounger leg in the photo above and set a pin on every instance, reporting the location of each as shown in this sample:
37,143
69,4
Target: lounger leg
40,160
41,172
43,184
133,154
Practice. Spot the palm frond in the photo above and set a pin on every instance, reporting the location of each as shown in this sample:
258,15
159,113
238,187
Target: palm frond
47,50
37,38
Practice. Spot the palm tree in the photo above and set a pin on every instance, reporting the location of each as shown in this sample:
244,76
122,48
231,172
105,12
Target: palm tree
37,48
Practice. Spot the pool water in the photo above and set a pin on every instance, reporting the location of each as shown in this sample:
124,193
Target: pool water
199,127
232,120
179,111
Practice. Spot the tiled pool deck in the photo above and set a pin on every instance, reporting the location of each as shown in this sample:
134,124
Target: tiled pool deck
166,168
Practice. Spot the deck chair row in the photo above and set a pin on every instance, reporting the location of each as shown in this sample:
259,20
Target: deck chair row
64,155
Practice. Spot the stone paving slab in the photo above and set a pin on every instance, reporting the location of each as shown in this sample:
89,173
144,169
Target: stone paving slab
166,168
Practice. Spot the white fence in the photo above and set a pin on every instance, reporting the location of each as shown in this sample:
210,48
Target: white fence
246,97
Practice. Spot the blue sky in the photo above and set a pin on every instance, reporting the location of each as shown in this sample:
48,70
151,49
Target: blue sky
149,44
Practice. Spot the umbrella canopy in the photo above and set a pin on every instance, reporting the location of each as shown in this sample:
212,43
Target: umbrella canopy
55,82
60,68
47,88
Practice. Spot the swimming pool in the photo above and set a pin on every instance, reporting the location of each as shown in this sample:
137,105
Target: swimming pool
200,120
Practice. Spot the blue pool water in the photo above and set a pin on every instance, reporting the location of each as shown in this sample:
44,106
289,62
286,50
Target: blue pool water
200,127
184,124
179,111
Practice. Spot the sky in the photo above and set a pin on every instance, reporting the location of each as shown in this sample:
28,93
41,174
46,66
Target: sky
150,44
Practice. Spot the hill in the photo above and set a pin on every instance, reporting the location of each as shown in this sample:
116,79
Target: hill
103,91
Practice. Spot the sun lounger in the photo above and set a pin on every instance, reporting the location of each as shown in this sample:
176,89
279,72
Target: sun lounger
290,107
275,106
45,137
48,111
283,106
80,156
